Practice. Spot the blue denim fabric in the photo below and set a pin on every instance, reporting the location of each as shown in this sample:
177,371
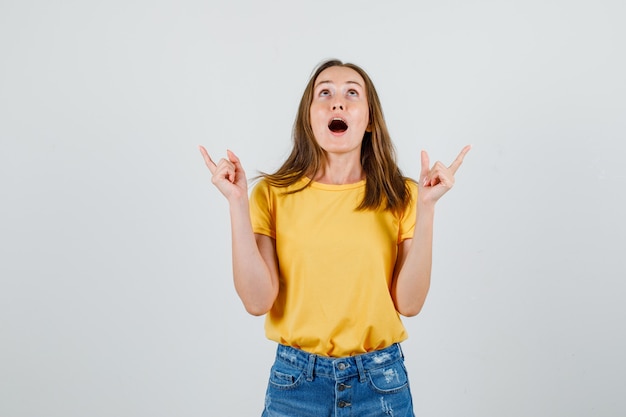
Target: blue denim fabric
373,384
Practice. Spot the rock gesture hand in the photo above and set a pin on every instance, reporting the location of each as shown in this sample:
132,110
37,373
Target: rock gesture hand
228,175
436,181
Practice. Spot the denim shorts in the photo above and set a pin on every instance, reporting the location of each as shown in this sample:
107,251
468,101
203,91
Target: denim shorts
368,385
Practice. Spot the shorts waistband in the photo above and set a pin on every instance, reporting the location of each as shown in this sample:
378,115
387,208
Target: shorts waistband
339,368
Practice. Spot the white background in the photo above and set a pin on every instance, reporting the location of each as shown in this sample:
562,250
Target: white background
116,296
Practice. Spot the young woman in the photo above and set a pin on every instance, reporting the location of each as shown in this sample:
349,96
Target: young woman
334,247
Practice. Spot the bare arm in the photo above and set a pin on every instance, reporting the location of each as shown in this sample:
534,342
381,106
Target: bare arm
255,268
414,262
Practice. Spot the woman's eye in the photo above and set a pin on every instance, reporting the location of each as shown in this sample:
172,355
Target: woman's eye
324,93
353,93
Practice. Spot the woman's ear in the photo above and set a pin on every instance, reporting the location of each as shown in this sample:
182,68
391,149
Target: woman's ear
370,125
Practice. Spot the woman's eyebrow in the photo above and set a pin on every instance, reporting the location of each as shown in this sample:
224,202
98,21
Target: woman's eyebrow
354,82
330,82
322,82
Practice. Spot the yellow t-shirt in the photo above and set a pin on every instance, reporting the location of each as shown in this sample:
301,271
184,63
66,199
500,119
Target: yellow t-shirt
335,265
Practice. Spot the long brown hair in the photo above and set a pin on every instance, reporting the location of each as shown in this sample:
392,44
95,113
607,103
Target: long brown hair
384,185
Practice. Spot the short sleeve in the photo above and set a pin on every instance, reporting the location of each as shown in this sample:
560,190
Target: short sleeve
407,221
261,210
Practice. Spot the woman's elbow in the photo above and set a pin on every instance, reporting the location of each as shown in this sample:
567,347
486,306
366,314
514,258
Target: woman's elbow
258,307
410,311
257,302
256,310
410,308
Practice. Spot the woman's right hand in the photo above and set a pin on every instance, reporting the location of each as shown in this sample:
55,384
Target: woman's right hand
228,175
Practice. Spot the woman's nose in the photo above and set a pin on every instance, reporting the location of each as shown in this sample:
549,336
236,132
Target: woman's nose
337,106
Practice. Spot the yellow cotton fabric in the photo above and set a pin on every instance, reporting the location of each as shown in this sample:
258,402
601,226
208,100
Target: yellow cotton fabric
336,265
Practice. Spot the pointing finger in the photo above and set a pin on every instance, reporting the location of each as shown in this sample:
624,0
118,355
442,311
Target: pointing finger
207,159
425,167
459,159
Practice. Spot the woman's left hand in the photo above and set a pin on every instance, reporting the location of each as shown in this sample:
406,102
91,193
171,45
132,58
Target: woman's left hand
438,180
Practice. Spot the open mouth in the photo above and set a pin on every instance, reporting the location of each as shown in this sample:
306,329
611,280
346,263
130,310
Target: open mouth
337,125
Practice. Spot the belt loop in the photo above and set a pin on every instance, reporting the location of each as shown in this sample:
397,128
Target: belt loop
310,368
400,349
359,366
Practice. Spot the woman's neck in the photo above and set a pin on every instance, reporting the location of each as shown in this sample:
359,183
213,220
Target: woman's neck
340,170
